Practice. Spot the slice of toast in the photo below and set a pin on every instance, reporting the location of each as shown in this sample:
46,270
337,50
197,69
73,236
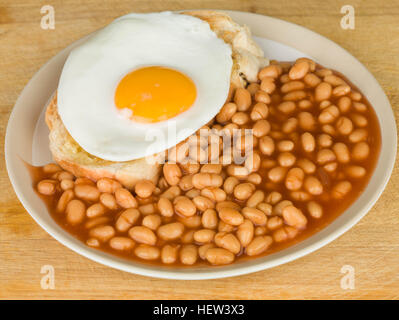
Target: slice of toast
247,60
71,157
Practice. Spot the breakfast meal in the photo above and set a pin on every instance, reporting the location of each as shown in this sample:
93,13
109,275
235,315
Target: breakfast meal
177,142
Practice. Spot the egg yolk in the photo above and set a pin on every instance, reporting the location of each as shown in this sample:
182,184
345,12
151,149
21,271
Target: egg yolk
155,94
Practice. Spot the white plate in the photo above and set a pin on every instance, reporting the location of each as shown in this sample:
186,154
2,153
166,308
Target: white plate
26,140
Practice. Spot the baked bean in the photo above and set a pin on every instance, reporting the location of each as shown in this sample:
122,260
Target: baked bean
64,200
266,145
109,201
253,87
229,184
315,209
170,231
147,252
64,175
215,194
245,232
287,107
225,227
360,151
323,91
272,71
202,180
152,221
299,70
285,145
267,85
219,256
261,96
265,207
311,80
273,197
294,217
324,104
184,206
342,152
231,216
75,211
47,187
355,172
274,223
169,253
144,188
172,173
171,193
259,111
95,210
256,216
292,86
257,197
204,235
261,128
211,168
359,120
295,95
240,118
125,199
82,181
344,104
330,167
203,203
306,121
344,126
102,233
185,183
277,174
143,234
329,114
329,129
127,219
258,245
341,189
278,208
334,80
190,222
358,135
51,168
324,140
294,179
313,185
260,231
242,99
228,241
286,159
192,193
209,219
121,243
341,90
324,72
108,185
306,165
290,125
227,204
87,192
227,111
95,222
165,207
92,242
188,254
67,184
325,155
243,191
190,168
305,104
308,142
361,107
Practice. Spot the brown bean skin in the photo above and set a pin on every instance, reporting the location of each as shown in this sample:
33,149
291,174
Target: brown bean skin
219,256
172,173
258,245
231,216
75,211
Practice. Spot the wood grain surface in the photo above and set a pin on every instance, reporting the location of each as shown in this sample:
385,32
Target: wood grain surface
371,247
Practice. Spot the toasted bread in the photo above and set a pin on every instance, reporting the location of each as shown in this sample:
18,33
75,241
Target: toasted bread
247,60
70,156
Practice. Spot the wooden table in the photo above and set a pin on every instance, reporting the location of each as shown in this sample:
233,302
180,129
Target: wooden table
371,247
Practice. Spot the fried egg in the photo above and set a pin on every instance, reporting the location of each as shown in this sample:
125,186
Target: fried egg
143,84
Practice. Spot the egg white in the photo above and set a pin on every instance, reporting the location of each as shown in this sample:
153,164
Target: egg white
94,69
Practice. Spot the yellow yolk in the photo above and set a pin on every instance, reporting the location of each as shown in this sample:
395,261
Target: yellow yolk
155,93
